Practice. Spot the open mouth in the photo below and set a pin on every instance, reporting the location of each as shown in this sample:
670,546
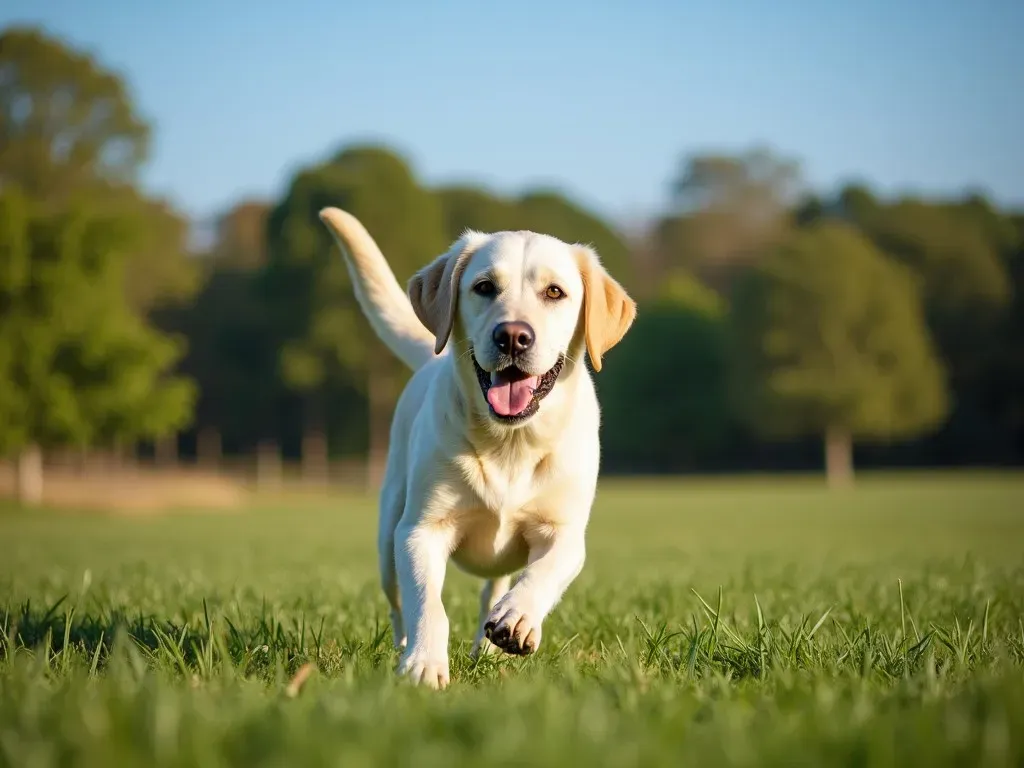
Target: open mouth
512,394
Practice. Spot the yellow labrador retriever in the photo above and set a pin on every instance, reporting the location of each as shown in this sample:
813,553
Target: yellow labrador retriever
494,453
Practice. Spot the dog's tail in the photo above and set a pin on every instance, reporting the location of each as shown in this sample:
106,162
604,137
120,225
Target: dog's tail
381,298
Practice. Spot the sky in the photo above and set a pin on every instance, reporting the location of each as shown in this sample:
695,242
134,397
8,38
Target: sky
600,99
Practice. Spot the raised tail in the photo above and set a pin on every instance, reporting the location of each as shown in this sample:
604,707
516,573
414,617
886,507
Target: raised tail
381,298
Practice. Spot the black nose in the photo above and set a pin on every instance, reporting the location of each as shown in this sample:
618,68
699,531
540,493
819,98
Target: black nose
513,338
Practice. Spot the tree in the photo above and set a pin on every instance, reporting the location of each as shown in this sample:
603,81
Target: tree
232,356
959,252
77,366
830,339
65,121
1001,388
67,126
726,212
71,145
232,342
326,340
553,214
955,249
664,404
465,207
1012,377
160,270
241,235
538,210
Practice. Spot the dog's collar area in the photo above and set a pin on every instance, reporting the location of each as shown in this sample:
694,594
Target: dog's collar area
545,384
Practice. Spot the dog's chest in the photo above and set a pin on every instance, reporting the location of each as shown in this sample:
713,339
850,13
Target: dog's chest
503,506
502,486
490,545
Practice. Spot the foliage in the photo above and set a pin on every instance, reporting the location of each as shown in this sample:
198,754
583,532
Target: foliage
550,212
232,357
307,284
539,210
956,249
735,623
241,240
664,398
65,120
68,128
726,212
960,252
160,271
466,207
232,342
77,365
756,184
681,287
306,302
269,315
829,334
85,257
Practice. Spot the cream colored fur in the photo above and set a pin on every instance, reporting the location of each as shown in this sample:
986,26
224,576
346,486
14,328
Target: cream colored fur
461,484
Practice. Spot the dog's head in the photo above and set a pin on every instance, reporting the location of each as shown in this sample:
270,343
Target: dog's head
519,305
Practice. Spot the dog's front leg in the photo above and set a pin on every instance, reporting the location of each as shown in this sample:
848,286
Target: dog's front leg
556,558
421,557
492,592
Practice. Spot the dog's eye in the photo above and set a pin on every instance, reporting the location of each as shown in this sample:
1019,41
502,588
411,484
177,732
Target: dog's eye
484,288
554,292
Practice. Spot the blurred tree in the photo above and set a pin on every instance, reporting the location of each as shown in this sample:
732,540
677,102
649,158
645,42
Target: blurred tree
160,270
727,211
1008,374
664,402
464,207
77,365
553,214
232,343
757,184
959,252
232,356
241,236
955,249
327,340
69,133
830,339
543,211
68,125
64,120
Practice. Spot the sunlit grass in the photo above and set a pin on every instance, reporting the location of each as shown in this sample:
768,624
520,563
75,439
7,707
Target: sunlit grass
729,622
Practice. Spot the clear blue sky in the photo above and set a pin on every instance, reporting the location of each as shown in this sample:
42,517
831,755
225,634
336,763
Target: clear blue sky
600,99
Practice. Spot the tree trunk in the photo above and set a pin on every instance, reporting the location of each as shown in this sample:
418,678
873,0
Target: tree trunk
314,443
122,455
268,465
208,448
82,461
29,471
380,409
166,450
838,457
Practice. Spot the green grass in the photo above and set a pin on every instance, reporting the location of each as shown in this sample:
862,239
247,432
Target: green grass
748,622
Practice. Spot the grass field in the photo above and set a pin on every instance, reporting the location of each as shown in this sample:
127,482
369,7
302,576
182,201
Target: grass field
748,622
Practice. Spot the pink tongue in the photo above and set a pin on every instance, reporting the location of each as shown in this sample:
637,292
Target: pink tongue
510,398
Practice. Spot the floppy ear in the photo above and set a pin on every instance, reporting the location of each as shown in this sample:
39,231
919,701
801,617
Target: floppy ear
434,290
608,311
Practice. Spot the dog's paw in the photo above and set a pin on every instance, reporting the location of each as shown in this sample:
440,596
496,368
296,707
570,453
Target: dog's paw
426,669
512,629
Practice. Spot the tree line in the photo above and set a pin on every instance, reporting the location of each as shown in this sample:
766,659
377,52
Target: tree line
778,327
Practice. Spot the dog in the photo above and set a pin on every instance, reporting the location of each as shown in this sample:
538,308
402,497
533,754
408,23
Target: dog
494,454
